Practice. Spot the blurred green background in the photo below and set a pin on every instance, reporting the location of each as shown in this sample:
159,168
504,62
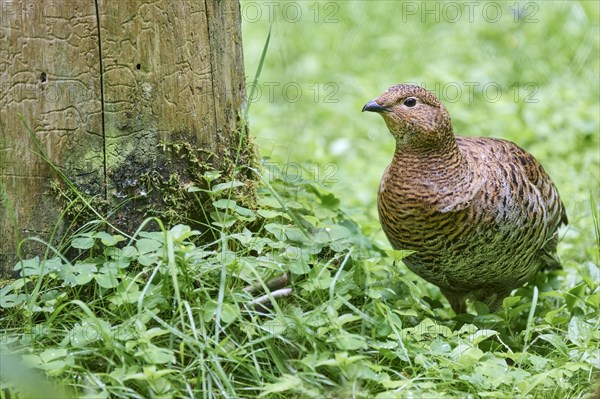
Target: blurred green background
524,71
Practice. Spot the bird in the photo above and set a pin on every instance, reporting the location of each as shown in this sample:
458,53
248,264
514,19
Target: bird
479,215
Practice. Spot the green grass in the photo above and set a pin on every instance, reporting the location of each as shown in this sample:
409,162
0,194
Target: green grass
161,315
168,314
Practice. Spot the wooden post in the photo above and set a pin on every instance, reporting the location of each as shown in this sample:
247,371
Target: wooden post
101,84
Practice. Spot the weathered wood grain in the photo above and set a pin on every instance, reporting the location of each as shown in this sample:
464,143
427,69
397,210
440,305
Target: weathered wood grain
101,84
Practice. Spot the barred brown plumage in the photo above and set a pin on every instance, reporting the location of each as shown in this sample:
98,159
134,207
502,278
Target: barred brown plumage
481,214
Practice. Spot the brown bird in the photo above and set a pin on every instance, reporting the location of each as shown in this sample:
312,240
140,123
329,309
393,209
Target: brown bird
481,214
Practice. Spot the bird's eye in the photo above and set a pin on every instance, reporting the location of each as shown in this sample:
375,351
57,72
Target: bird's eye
410,102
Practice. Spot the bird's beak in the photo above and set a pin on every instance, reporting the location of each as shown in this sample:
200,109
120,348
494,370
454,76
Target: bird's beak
372,106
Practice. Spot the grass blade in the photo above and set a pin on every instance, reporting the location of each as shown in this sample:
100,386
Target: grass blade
257,75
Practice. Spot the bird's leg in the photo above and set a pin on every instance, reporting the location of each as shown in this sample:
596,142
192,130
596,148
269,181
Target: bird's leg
457,301
494,301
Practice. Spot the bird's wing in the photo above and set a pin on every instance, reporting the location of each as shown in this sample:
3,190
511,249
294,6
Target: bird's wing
557,214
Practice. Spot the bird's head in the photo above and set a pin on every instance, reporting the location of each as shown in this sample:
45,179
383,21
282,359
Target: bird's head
416,119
